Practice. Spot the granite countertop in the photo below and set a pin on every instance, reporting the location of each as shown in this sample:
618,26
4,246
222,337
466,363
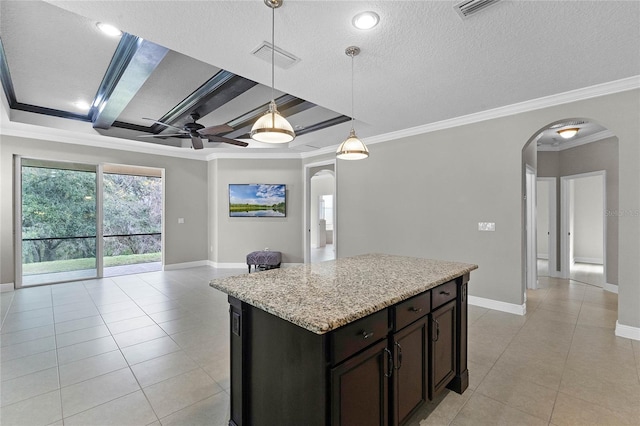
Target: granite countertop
321,297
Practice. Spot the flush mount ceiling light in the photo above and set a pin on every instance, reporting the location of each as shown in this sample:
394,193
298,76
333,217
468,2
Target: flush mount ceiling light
352,148
109,29
569,132
365,20
272,127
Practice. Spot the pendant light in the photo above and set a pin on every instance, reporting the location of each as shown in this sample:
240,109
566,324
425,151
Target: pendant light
352,148
272,127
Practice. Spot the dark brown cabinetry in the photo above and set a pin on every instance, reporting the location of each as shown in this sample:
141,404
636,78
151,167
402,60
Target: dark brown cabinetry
375,371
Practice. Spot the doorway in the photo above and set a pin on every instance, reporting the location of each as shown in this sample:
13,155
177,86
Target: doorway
531,268
320,212
78,221
583,227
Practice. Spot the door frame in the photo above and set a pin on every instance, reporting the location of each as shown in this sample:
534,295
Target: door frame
306,230
565,196
531,259
553,227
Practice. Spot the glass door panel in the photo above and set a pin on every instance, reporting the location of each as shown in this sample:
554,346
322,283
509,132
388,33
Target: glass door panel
58,222
132,223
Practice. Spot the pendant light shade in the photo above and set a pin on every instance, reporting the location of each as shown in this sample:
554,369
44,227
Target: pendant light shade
272,127
352,148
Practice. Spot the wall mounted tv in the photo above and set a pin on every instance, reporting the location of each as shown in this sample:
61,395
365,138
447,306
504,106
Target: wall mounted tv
257,200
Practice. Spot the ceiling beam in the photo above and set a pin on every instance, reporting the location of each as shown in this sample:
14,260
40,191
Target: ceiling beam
217,91
323,125
133,62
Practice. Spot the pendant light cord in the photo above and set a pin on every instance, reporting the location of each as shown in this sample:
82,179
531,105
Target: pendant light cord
352,90
273,49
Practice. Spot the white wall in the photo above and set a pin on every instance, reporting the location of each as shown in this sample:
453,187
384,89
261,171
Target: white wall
185,194
588,219
232,238
542,215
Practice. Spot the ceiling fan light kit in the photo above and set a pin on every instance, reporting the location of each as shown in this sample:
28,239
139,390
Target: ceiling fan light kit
352,148
272,127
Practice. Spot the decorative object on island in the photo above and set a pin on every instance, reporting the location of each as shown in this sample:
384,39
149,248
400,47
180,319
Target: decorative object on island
352,148
264,259
364,340
257,200
272,127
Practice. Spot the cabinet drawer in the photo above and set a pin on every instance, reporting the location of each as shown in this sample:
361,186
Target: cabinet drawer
412,309
443,293
356,336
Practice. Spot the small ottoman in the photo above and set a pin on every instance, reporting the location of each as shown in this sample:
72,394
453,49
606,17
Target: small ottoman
263,260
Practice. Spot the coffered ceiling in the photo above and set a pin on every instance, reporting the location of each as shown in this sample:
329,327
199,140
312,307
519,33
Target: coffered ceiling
422,64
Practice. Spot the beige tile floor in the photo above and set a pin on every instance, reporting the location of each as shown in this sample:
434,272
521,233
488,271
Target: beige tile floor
152,349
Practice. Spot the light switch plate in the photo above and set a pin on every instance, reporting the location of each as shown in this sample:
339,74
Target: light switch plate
181,220
486,226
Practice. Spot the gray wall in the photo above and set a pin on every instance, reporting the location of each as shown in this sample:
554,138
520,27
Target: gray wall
423,195
231,238
605,155
185,194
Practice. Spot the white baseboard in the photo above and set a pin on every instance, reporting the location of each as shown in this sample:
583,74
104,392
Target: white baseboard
186,265
543,256
613,288
592,260
627,331
497,305
6,287
226,265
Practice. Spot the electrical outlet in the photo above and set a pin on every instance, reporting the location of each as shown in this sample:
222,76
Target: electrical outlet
486,226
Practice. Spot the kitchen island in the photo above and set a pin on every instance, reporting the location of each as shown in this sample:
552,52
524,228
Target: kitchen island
363,340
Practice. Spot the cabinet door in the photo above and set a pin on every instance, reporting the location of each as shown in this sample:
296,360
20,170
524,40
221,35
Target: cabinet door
360,388
411,346
443,347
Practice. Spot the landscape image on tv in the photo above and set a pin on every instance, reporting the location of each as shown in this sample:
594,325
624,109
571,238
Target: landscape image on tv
257,200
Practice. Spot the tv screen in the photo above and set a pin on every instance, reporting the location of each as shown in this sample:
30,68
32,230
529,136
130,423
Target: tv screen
257,200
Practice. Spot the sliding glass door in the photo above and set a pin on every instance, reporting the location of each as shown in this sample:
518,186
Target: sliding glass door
82,221
59,231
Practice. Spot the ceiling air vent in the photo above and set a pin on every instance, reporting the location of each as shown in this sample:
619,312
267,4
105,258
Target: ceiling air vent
281,58
568,123
471,7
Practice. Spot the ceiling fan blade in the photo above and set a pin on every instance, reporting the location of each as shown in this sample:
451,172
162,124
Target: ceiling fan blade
196,142
169,135
164,124
213,138
214,130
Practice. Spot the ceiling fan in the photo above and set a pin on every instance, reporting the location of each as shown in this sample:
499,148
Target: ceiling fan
197,132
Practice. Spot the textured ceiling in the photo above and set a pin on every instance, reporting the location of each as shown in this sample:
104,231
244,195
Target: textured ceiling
420,65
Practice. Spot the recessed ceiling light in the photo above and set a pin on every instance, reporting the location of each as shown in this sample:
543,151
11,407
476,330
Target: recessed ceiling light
365,20
109,29
82,105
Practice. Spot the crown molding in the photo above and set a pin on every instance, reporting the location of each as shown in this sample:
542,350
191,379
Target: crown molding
604,134
254,155
598,90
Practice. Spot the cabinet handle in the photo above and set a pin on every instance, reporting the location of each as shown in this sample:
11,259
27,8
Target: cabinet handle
437,331
366,335
416,310
389,372
399,356
446,293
